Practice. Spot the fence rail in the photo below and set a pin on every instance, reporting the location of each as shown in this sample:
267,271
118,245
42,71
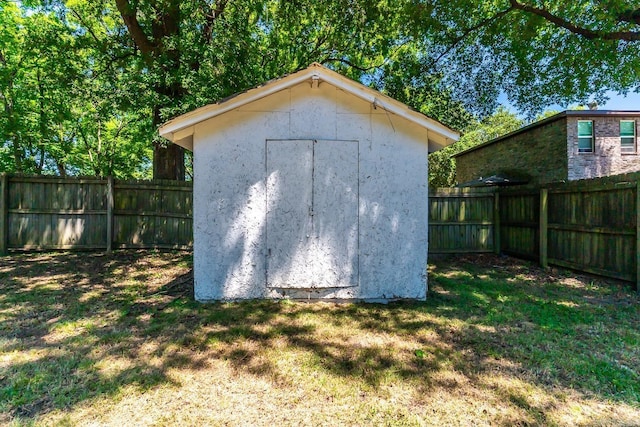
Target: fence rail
591,226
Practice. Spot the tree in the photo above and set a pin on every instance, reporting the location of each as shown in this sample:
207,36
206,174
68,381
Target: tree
189,53
84,84
407,79
36,75
138,63
537,52
58,89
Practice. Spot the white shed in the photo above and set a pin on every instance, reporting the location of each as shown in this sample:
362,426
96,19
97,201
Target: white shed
310,186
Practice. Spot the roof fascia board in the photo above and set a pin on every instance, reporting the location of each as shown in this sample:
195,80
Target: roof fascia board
600,113
208,111
388,104
183,126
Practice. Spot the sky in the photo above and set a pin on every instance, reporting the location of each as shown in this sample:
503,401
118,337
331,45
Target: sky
618,102
630,102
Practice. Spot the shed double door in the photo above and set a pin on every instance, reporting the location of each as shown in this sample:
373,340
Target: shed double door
312,213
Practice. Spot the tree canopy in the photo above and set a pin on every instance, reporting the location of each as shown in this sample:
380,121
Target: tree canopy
84,84
536,52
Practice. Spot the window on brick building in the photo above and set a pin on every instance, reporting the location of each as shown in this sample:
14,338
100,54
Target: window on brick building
585,136
627,136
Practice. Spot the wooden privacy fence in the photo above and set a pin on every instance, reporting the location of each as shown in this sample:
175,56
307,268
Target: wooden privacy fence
462,220
88,213
591,226
588,226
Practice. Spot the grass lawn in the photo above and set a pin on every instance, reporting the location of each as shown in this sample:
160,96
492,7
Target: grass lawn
117,340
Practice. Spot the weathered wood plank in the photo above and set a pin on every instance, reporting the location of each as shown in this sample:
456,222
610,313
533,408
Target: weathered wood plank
50,211
110,203
121,212
637,245
4,213
53,179
496,224
544,195
591,230
460,220
433,223
134,186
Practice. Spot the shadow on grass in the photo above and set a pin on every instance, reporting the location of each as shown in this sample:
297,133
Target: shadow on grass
78,326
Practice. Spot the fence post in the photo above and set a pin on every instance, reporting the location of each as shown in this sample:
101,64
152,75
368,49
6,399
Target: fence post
638,236
544,193
110,203
496,222
4,213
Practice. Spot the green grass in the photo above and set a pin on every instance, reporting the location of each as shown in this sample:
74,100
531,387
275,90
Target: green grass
97,339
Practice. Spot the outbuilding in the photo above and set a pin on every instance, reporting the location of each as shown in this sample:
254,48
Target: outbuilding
311,186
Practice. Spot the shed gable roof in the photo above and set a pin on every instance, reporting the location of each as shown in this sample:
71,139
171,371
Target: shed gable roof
180,129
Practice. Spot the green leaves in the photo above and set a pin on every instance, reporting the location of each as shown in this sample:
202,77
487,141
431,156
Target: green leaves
537,53
73,72
442,172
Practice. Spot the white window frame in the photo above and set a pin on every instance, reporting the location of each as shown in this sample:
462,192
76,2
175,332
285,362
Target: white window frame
591,137
628,148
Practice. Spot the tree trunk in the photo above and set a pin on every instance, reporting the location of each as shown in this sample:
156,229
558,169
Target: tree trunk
168,158
168,162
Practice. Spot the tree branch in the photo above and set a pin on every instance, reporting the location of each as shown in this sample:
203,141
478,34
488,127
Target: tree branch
146,46
468,31
215,12
349,63
82,21
584,32
372,67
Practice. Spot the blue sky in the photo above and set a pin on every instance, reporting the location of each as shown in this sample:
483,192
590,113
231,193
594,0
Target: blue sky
630,102
618,102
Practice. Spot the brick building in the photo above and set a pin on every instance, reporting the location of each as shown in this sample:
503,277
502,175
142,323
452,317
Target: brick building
574,144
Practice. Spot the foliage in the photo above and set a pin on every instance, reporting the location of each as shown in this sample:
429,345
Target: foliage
85,83
537,52
138,63
406,79
442,168
61,114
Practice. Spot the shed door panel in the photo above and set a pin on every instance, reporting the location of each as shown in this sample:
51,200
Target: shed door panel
335,213
289,201
312,214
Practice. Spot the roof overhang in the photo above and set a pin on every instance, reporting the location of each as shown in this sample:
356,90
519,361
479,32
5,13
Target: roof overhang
180,129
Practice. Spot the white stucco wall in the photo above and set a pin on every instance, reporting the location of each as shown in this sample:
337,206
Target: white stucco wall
230,202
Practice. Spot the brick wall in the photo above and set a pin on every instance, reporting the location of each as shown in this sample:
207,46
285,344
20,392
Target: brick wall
539,154
606,158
